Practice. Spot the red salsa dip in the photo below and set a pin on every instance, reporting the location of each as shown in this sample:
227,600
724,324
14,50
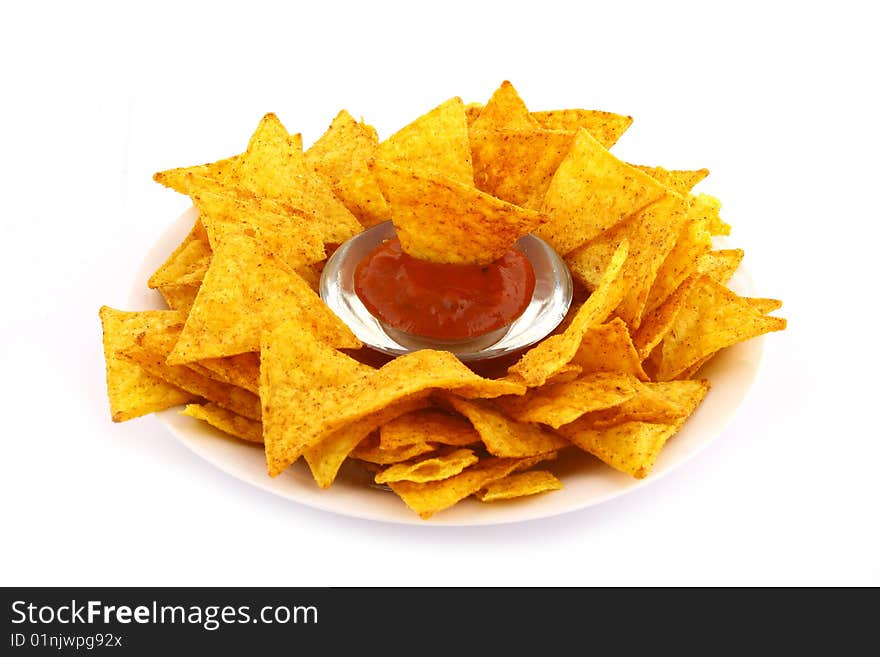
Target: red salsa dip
441,301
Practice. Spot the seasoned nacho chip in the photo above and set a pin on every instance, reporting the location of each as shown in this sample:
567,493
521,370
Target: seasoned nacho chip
505,109
606,127
131,390
432,425
186,265
179,297
679,180
432,214
560,403
371,451
242,370
502,435
245,292
434,144
432,468
519,485
608,348
590,192
557,351
720,265
227,421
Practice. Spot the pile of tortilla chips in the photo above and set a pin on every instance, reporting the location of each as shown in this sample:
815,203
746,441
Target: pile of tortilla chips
248,346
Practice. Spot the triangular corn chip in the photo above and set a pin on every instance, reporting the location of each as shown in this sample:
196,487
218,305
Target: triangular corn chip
657,323
519,485
188,263
502,435
434,144
242,370
245,292
608,348
227,421
505,109
606,127
430,425
432,215
132,391
720,265
179,297
693,241
550,356
432,468
711,319
370,451
560,403
591,192
679,180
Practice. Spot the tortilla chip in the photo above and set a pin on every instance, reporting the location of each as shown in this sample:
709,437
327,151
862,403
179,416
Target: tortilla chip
325,458
711,319
519,485
179,297
707,209
245,292
632,447
609,348
517,165
652,233
606,127
341,156
652,402
431,425
434,144
551,355
176,179
370,451
693,241
590,192
186,266
288,234
151,352
242,370
681,181
720,265
227,421
433,468
304,404
132,392
657,323
561,403
502,435
505,109
764,306
490,225
428,498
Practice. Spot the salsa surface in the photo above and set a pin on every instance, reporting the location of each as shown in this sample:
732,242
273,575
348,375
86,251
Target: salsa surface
442,301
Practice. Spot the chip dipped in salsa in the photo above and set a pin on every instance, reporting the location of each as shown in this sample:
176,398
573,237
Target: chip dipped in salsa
443,301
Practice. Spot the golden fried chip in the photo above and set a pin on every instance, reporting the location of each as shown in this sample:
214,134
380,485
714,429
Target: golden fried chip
565,374
711,319
502,435
693,241
151,353
608,348
431,425
652,402
652,233
428,498
591,192
302,405
325,458
132,391
519,485
434,144
606,127
681,181
370,451
341,156
550,356
179,297
631,447
227,421
720,265
433,468
472,112
186,266
176,179
517,165
245,292
288,234
274,166
441,220
657,323
242,370
764,306
505,109
707,208
560,403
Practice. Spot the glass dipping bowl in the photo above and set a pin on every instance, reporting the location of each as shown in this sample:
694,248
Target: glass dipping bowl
550,302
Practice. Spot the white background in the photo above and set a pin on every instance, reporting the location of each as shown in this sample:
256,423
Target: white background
777,99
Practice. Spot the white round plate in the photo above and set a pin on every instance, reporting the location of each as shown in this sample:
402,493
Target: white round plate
587,481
